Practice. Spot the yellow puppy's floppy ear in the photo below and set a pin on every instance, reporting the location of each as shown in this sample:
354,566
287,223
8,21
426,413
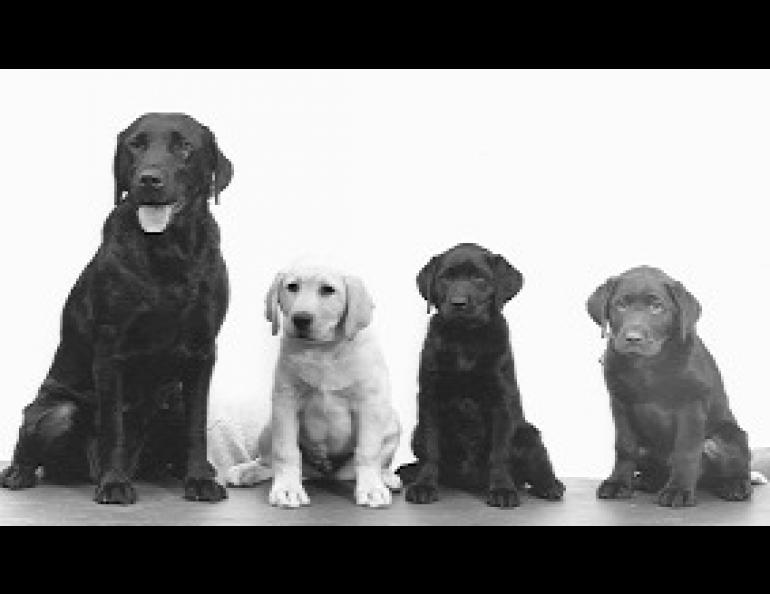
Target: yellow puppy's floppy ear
272,312
688,305
358,313
598,304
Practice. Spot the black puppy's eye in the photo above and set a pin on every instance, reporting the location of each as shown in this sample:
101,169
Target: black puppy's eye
327,290
292,287
137,142
656,307
620,305
185,148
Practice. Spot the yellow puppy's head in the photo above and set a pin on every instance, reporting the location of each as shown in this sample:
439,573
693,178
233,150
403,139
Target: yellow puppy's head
318,304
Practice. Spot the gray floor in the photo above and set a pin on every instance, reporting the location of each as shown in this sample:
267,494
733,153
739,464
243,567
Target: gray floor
163,505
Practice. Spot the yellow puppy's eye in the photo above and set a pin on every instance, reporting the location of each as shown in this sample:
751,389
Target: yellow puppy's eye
292,287
327,290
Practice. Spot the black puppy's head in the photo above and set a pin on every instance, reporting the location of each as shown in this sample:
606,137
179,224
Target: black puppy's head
165,163
468,283
643,308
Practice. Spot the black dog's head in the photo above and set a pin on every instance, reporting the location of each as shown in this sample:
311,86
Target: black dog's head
166,162
643,307
468,283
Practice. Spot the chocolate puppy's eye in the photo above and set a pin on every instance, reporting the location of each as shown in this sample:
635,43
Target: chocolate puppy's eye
292,287
620,305
656,307
327,290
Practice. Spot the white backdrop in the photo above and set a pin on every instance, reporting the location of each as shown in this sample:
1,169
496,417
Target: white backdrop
572,175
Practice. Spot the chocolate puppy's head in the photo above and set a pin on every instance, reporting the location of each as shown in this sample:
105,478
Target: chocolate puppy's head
642,309
165,164
468,283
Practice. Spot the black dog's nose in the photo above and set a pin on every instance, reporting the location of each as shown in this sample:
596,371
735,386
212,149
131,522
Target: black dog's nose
634,336
302,321
459,302
151,178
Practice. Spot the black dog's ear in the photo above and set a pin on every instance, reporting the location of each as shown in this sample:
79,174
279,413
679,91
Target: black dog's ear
598,303
425,281
121,166
689,308
222,169
508,280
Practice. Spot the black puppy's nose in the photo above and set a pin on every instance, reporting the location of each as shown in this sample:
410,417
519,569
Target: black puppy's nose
634,336
151,178
459,302
302,321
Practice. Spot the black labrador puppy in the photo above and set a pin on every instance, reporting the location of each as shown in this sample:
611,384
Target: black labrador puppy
127,392
673,424
471,432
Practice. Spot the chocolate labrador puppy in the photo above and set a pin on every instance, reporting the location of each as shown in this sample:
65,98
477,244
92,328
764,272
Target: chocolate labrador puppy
471,432
673,424
127,392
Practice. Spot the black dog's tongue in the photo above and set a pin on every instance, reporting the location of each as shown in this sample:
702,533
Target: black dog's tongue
154,218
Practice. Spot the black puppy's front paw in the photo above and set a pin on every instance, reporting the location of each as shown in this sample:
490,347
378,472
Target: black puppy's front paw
114,488
421,493
503,497
734,489
614,490
17,476
204,489
552,491
672,496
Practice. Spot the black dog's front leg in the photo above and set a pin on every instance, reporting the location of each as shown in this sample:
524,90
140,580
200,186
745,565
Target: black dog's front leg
620,483
502,489
425,444
199,483
113,485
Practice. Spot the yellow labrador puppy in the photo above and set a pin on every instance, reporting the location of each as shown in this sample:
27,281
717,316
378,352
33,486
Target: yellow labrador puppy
331,410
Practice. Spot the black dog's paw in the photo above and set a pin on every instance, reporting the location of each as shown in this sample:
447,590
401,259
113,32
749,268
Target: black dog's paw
503,497
614,490
205,489
421,493
113,489
648,482
18,477
552,491
734,489
676,497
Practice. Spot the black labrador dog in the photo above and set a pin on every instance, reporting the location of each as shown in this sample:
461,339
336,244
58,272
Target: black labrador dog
471,432
127,392
673,424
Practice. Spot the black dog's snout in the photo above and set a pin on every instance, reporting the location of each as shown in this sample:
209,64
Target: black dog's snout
151,178
302,321
459,302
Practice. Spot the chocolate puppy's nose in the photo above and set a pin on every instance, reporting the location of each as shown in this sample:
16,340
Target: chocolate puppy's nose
302,320
459,302
151,178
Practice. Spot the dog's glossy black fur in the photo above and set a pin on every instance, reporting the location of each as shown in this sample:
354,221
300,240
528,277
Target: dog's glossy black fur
471,431
127,392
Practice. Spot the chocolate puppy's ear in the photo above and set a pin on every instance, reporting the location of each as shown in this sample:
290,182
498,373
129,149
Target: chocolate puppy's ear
121,168
508,280
598,303
688,306
426,281
222,170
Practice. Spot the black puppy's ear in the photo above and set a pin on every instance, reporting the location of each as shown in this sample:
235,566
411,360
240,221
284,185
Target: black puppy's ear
121,166
688,306
222,170
425,280
508,280
598,303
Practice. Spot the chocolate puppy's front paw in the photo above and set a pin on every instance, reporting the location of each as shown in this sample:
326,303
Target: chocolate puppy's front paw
552,491
203,489
672,496
421,493
610,489
737,489
17,476
114,488
503,497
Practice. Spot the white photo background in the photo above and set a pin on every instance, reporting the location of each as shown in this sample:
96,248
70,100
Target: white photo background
571,175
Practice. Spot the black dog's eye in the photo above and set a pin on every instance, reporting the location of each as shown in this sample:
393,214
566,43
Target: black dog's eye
137,142
620,305
656,307
327,290
185,149
292,287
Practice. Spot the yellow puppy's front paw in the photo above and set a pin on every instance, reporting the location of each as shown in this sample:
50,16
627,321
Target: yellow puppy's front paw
372,492
247,474
288,493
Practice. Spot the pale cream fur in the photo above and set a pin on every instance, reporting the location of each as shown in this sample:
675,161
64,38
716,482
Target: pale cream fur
331,392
